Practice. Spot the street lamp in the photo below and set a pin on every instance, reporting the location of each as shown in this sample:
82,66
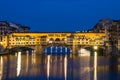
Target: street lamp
95,47
0,43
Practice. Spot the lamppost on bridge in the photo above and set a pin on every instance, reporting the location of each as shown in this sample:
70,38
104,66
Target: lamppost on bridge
95,48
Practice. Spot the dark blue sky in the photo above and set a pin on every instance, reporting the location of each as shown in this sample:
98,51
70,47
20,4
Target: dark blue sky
59,15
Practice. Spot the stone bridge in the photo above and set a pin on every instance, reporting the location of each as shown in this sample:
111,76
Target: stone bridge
41,40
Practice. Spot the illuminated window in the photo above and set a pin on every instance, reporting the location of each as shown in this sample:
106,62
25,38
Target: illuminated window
26,42
37,39
82,42
86,42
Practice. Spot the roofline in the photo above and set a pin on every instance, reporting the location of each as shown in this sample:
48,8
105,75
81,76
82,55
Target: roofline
58,32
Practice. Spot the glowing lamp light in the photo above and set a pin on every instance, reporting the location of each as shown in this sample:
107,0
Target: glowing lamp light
47,39
65,39
1,43
50,41
95,47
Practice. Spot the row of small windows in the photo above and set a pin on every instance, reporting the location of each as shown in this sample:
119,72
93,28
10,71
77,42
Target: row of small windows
57,34
24,40
98,43
25,43
90,43
90,39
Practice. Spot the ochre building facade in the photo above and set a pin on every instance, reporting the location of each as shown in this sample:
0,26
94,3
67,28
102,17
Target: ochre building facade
53,38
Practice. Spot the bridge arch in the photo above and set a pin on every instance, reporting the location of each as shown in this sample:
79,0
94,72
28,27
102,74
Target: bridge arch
22,49
51,40
57,39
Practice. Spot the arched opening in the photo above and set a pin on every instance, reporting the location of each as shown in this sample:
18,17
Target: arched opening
63,39
57,40
51,40
59,50
23,50
84,52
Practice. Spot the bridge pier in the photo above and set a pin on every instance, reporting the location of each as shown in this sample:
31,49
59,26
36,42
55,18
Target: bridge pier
74,48
39,49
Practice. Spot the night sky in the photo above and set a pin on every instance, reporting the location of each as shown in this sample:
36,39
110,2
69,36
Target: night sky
58,15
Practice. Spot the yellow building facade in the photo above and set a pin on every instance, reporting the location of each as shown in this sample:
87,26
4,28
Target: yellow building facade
42,39
90,39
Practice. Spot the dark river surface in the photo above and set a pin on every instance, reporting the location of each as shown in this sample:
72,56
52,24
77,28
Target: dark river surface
58,67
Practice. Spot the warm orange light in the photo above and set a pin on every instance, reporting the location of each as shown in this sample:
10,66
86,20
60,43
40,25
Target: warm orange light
95,47
19,63
1,43
95,65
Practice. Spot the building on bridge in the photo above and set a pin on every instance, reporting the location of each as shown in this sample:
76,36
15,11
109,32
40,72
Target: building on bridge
105,33
41,39
7,28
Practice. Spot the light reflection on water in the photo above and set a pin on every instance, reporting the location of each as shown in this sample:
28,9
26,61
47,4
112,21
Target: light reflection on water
65,67
95,65
18,63
48,67
1,67
58,67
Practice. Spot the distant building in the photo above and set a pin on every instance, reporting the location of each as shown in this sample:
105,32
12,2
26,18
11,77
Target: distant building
8,27
102,25
114,35
112,31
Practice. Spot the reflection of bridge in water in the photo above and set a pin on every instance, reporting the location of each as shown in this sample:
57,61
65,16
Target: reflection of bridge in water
54,42
57,50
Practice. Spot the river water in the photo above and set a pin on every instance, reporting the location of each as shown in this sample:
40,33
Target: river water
58,67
